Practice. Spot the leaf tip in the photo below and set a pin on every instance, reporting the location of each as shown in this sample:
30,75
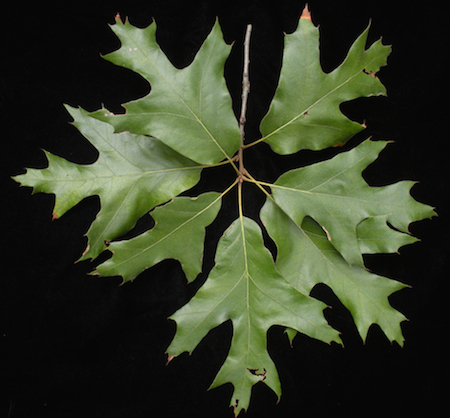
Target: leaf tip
118,19
306,14
169,358
236,409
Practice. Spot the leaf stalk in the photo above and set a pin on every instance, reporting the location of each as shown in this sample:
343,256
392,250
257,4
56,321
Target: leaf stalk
244,97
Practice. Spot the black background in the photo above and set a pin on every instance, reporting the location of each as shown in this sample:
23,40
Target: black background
74,345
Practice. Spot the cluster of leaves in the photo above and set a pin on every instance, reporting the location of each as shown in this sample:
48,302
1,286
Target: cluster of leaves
322,217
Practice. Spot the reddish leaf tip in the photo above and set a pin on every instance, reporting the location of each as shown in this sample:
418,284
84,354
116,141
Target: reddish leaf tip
306,14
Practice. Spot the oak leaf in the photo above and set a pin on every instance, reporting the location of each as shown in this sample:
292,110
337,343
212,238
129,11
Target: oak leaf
322,217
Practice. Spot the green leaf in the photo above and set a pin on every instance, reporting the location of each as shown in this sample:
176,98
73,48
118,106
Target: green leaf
179,233
305,112
322,217
189,110
306,257
375,236
133,174
336,196
246,288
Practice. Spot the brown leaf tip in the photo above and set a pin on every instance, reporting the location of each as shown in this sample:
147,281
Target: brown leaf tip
306,14
120,20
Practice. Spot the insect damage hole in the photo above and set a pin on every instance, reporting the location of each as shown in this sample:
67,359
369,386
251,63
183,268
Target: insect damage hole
255,373
368,72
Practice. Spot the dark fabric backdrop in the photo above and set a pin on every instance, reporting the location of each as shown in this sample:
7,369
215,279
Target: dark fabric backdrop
73,345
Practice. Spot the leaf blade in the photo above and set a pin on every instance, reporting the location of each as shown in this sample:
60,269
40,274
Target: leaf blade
178,234
181,103
376,237
306,258
305,113
133,174
245,287
335,195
